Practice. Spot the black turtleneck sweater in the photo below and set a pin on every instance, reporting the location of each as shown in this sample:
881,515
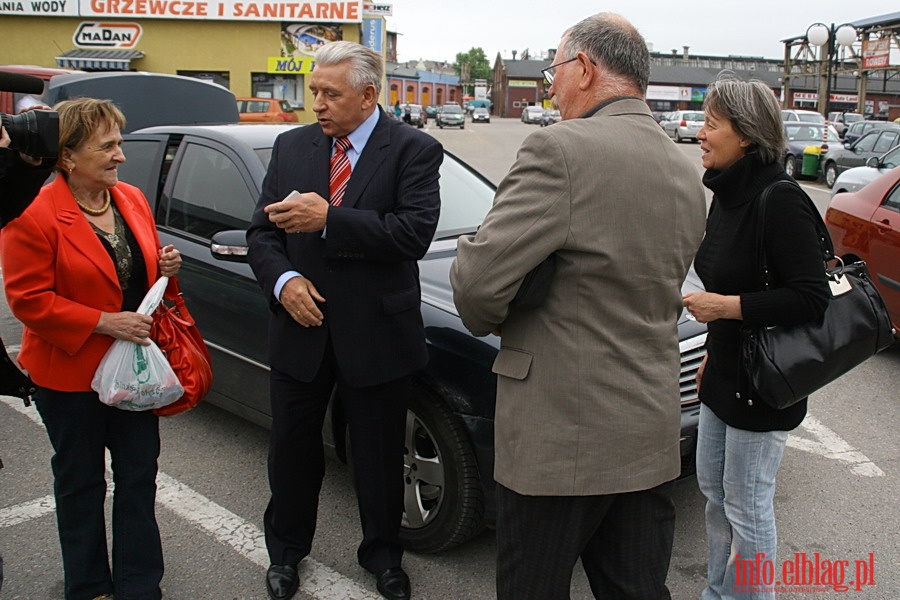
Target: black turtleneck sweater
727,264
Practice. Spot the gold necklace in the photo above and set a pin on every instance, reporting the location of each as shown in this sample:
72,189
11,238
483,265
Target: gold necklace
94,212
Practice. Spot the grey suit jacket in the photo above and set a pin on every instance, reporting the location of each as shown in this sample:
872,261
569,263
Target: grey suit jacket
587,396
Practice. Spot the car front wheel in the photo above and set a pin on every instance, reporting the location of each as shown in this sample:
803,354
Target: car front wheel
790,166
443,503
831,174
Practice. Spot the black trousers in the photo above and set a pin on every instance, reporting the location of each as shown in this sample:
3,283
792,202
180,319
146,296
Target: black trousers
624,542
377,421
80,428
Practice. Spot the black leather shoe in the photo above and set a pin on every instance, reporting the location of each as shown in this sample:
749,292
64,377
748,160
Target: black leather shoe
282,582
393,584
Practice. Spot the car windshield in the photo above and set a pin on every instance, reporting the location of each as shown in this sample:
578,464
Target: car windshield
451,109
811,117
798,131
848,118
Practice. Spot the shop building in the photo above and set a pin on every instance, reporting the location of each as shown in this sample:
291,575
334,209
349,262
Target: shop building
252,48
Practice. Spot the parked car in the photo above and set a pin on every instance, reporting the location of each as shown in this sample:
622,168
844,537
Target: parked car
843,120
481,114
856,130
807,116
149,99
865,225
659,116
532,114
549,117
265,110
841,157
416,116
800,135
202,184
451,115
853,180
430,111
683,125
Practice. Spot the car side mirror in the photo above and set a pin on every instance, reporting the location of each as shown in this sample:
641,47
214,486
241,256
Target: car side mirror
873,162
230,246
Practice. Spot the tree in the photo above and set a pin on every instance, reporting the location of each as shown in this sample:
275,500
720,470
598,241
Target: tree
470,66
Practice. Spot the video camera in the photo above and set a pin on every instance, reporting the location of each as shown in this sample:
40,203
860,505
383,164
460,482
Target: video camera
35,132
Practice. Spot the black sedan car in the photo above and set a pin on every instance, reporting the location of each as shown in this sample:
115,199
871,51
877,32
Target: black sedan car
801,135
203,182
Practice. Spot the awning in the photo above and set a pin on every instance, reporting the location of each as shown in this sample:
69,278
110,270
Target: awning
98,60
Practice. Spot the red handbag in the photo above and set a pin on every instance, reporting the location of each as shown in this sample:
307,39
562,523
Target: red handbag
176,334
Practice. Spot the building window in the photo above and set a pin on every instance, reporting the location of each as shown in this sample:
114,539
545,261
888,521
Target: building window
281,87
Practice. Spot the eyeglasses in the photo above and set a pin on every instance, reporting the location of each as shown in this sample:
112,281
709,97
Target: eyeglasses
550,72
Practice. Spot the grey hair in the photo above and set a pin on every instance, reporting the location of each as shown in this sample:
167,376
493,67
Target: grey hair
366,65
611,41
752,109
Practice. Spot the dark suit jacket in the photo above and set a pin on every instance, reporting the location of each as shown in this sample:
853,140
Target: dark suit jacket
365,267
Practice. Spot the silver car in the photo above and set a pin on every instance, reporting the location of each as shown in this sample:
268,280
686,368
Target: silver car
854,179
683,125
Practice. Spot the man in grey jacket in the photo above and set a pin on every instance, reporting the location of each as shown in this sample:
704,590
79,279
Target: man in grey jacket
587,417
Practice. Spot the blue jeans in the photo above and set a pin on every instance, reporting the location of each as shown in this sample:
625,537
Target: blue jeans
736,472
80,428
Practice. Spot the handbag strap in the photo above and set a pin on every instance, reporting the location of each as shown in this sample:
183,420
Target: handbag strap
825,243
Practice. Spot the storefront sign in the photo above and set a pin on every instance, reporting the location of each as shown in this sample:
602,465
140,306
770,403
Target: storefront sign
107,35
378,10
289,65
876,53
340,11
372,33
522,83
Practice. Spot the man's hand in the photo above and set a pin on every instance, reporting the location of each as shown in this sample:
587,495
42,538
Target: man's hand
299,297
299,213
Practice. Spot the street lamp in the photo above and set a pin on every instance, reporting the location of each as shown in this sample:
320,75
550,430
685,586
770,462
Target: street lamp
828,39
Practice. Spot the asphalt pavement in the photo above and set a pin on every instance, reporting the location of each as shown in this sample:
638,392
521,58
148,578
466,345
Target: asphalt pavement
836,496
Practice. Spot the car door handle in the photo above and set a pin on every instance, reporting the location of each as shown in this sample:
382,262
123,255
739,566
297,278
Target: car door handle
884,225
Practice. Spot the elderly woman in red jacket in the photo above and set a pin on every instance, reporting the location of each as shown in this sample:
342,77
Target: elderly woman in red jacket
77,264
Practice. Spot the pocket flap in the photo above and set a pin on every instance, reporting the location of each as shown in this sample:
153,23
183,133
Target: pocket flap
512,363
400,301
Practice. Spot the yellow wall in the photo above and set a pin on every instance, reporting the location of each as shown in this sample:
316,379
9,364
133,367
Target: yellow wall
236,47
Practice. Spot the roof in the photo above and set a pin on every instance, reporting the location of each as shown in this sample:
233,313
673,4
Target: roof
884,21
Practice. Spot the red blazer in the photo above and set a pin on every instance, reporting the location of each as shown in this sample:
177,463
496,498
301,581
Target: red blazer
59,278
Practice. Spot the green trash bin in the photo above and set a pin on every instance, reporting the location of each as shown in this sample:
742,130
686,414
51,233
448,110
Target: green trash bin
810,167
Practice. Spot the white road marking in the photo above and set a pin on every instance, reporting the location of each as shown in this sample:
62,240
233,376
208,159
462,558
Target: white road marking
830,445
317,580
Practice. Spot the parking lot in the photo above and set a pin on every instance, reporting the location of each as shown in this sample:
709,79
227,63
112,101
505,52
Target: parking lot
836,494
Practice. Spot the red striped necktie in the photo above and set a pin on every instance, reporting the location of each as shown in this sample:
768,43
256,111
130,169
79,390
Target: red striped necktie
340,170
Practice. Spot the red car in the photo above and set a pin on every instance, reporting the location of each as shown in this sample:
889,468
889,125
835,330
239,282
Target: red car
865,225
265,110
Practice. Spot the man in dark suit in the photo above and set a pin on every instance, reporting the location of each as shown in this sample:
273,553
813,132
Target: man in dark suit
337,259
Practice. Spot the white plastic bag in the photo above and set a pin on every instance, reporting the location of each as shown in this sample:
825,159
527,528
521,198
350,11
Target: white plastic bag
135,377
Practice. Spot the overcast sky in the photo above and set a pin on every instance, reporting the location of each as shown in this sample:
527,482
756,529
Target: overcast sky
438,29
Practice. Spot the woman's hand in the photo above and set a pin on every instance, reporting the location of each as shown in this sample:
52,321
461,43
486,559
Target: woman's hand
129,326
707,307
169,261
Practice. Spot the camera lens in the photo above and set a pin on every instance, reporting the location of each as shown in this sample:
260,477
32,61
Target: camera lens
35,132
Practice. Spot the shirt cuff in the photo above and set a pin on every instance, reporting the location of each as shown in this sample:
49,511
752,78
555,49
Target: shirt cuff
279,285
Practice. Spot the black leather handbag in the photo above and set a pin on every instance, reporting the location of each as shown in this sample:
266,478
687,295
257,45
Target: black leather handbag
785,364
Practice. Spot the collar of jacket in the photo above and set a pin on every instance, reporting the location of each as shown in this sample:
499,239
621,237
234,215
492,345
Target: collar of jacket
605,103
